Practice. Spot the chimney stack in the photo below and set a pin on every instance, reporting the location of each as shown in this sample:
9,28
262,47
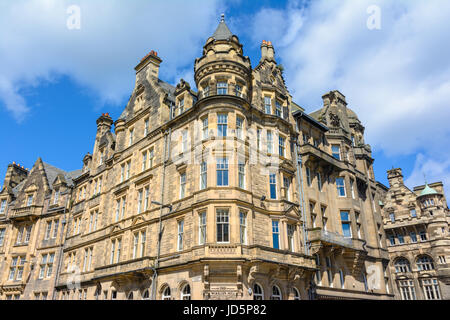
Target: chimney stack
395,177
104,123
264,50
267,51
270,51
152,61
15,174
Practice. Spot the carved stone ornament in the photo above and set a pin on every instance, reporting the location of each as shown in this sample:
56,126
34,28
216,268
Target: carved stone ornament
334,120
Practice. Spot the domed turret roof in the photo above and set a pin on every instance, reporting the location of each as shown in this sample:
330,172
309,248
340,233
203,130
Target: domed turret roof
351,114
222,32
427,191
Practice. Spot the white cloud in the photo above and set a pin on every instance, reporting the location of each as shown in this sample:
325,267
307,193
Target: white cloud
396,79
36,45
430,170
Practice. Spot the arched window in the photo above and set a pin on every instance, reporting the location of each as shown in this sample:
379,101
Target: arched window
166,294
425,263
296,294
402,265
186,292
130,296
146,295
258,293
276,293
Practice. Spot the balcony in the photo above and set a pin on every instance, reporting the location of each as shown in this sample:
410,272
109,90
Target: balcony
351,249
329,238
123,270
239,251
26,212
315,155
229,92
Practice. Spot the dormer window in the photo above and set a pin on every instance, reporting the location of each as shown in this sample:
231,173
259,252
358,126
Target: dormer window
55,199
222,88
139,101
2,206
102,157
173,108
392,216
181,106
29,200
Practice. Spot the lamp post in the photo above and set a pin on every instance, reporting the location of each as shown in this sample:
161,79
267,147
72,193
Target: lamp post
156,265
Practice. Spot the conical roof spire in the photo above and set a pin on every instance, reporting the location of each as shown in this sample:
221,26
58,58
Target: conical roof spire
427,191
222,32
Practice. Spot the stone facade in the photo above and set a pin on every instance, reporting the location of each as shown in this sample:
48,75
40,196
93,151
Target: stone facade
32,229
417,226
231,192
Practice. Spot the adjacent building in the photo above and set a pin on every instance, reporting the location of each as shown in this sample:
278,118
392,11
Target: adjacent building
417,226
33,215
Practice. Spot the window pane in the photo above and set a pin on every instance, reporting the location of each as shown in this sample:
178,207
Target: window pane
273,186
275,235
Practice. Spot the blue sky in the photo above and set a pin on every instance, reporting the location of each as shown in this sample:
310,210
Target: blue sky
55,82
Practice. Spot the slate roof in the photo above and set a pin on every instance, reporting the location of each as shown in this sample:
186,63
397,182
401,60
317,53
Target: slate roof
312,120
152,96
222,32
52,172
168,88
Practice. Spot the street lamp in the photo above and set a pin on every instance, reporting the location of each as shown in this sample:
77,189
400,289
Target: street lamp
155,268
163,205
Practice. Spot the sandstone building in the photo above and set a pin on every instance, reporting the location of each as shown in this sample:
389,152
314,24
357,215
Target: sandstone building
33,216
417,227
230,192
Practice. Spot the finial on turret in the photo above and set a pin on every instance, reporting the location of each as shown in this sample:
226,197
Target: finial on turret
222,17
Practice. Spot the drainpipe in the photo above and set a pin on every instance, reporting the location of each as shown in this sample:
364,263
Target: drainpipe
298,160
155,275
61,247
